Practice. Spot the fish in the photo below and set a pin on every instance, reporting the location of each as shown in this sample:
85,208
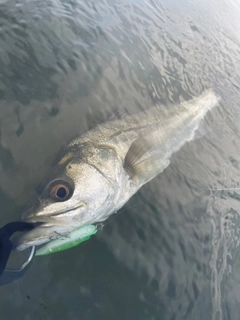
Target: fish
97,173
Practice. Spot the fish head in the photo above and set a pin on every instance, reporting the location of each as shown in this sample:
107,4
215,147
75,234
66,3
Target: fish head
74,193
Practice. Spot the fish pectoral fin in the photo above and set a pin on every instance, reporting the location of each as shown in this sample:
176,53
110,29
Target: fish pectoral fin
147,168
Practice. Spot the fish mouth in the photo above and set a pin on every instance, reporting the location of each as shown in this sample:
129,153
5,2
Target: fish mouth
63,211
46,228
36,218
49,217
41,233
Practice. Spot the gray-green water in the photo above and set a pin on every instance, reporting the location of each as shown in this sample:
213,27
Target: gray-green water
173,251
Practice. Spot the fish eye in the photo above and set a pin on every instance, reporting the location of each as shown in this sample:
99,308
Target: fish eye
60,191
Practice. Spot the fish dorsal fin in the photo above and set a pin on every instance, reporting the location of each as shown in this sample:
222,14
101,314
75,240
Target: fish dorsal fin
140,163
119,114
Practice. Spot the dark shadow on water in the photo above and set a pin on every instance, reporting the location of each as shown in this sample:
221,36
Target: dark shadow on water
6,158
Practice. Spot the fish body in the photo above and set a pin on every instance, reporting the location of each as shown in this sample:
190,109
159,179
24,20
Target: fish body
97,173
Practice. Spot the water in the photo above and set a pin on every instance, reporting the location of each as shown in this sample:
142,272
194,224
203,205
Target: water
173,251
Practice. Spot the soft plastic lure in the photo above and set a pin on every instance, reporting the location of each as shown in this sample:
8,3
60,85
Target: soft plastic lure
75,238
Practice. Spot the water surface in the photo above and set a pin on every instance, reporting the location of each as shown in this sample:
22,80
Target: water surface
173,251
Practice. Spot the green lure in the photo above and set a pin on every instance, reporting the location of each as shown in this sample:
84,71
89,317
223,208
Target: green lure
75,238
